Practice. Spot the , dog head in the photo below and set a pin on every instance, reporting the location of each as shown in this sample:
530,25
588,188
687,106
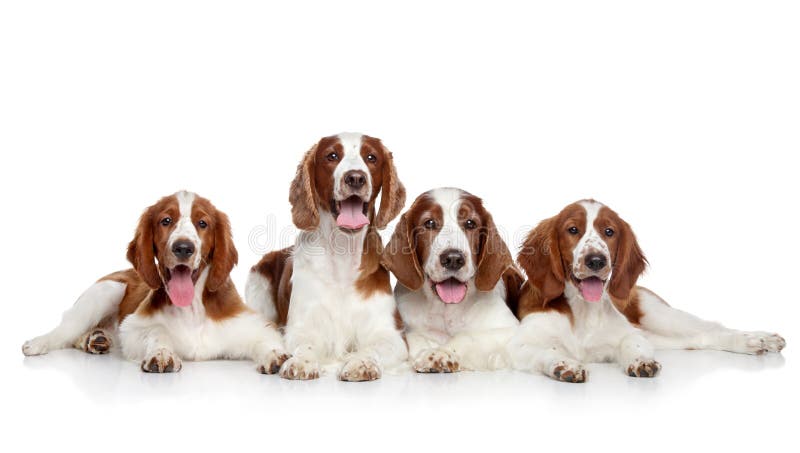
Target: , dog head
586,245
177,238
341,176
447,244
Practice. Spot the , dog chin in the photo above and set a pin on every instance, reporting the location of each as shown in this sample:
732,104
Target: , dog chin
180,281
591,288
350,213
450,290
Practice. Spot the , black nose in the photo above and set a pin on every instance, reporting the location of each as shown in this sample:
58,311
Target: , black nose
355,179
452,260
595,262
183,249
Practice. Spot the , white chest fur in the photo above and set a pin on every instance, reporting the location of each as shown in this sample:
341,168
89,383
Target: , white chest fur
473,333
189,333
328,255
327,313
478,311
597,326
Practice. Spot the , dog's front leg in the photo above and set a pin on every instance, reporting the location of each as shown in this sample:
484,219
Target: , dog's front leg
670,328
303,365
250,336
310,329
305,347
379,344
146,341
484,349
540,344
636,356
430,356
381,348
269,353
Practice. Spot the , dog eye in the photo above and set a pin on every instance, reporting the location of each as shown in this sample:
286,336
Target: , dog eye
470,224
609,232
333,157
202,224
371,158
166,221
430,224
573,230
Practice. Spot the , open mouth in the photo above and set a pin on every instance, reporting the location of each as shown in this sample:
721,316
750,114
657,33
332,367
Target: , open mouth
450,291
350,213
591,288
180,285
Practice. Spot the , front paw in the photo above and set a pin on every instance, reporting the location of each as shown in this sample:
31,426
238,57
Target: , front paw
567,371
360,370
299,369
642,367
436,361
96,342
161,361
271,364
761,342
37,346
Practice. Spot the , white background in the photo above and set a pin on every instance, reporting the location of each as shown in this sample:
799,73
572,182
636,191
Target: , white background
683,116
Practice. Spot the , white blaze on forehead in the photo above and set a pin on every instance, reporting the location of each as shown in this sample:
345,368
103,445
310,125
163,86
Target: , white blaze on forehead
591,241
184,226
450,236
350,160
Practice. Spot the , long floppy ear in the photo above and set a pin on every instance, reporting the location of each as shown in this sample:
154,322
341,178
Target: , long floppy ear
393,197
141,251
513,280
224,255
494,258
400,258
305,213
540,258
629,265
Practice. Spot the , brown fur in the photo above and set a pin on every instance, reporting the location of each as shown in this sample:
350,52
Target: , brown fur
513,281
394,194
494,259
547,253
373,277
310,195
629,307
627,257
223,255
141,252
145,292
303,193
410,244
276,267
531,300
136,290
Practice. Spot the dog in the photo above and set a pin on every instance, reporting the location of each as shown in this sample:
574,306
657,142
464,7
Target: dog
329,290
581,304
177,303
456,283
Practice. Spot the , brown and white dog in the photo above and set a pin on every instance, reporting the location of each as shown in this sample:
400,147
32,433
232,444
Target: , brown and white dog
177,303
330,290
581,303
456,278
